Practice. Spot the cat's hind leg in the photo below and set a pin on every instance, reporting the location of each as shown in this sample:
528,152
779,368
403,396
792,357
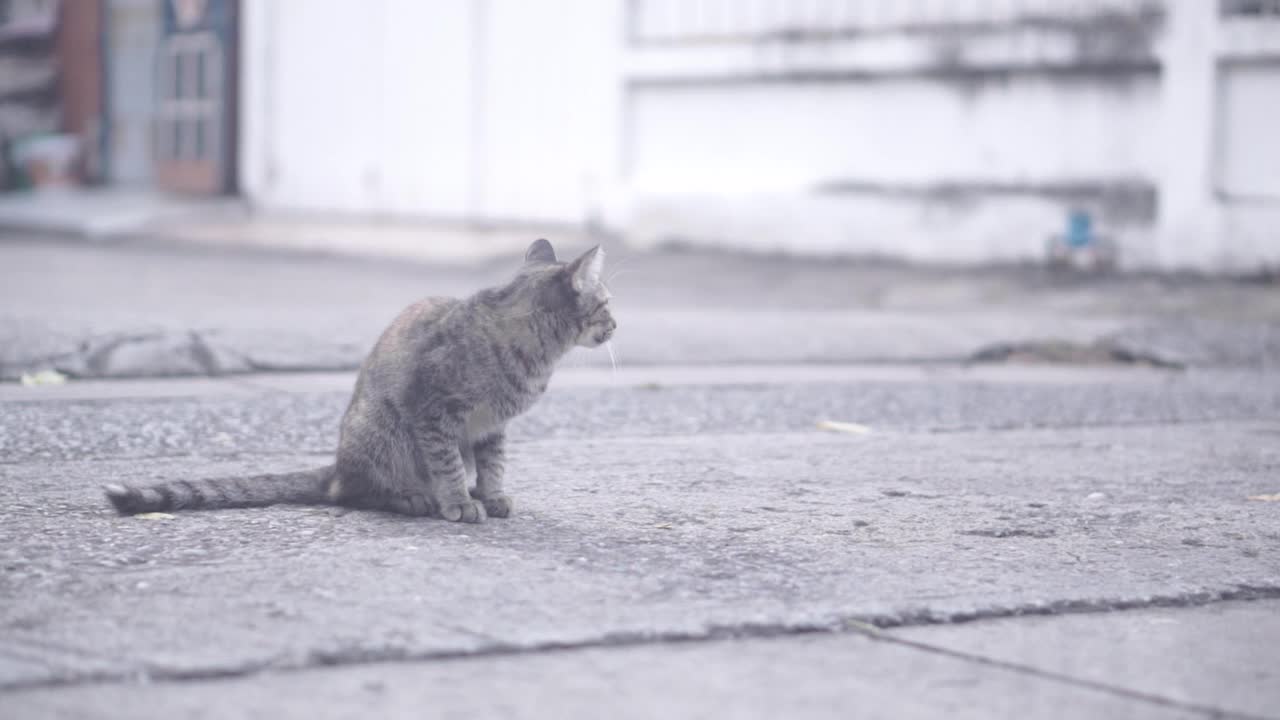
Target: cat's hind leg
380,474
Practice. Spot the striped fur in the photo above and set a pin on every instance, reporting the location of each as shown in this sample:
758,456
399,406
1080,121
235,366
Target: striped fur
424,433
305,487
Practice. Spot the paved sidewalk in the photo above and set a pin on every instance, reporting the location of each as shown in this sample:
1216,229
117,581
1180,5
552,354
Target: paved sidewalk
810,489
147,308
1090,666
108,215
1002,542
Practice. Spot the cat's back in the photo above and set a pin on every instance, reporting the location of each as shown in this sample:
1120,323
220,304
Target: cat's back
403,343
414,324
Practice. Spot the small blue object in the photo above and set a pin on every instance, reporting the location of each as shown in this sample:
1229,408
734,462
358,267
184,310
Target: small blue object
1079,229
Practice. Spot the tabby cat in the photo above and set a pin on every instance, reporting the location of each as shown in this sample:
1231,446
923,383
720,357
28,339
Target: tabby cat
425,429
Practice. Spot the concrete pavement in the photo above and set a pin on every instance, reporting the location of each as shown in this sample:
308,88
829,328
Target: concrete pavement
146,309
1004,542
109,215
816,675
980,534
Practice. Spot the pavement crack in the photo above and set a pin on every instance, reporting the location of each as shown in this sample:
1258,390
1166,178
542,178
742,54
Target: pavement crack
96,359
1002,532
1105,351
202,354
1074,607
876,626
1116,690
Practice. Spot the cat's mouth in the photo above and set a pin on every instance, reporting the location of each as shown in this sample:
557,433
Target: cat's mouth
595,339
601,334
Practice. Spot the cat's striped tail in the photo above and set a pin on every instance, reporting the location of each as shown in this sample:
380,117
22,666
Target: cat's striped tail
304,487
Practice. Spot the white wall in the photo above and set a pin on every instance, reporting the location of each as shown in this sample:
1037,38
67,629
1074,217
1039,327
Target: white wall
1249,131
1219,207
551,107
964,145
453,109
786,136
959,132
357,108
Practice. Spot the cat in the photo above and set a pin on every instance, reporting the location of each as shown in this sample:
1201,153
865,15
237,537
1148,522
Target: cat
431,403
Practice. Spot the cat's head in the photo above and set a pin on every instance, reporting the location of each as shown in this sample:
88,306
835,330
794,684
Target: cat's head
574,291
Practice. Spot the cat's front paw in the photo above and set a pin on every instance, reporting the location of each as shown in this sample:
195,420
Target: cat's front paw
496,505
499,506
469,511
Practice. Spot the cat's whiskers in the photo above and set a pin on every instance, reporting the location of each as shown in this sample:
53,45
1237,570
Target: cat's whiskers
613,361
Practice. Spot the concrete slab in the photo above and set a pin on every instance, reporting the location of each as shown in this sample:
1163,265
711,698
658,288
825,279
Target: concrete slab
1221,656
636,538
794,677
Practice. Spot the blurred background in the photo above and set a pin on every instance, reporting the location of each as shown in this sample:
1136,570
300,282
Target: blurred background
1130,133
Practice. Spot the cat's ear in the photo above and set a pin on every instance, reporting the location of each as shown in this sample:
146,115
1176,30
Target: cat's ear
540,252
585,271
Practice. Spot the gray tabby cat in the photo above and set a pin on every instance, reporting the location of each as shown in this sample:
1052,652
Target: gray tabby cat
432,401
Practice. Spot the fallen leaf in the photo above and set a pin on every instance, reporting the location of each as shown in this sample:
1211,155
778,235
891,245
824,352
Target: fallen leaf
1273,497
844,427
154,516
44,377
